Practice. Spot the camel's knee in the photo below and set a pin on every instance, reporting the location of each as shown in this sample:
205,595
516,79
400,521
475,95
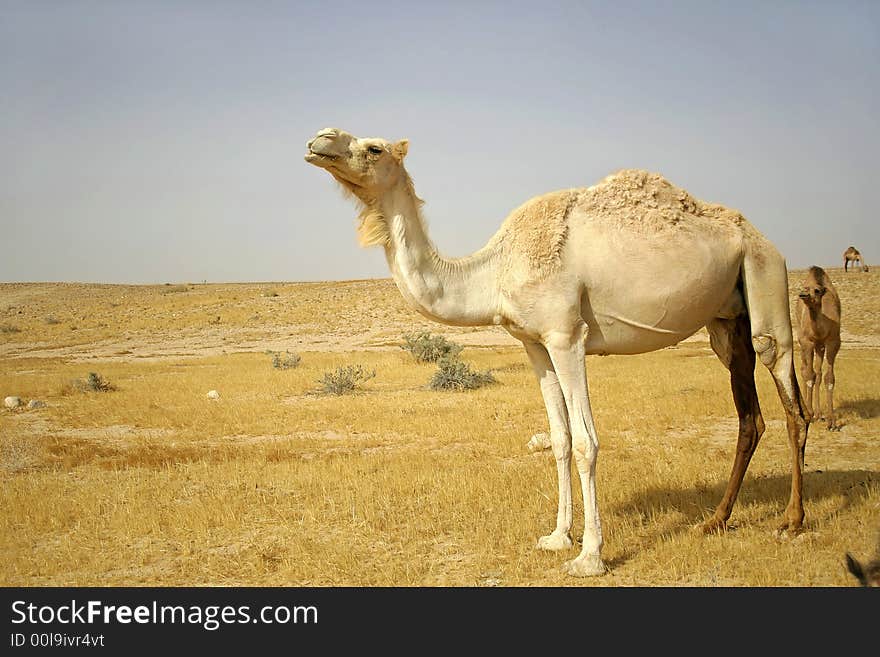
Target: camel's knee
749,435
809,386
561,444
585,449
766,349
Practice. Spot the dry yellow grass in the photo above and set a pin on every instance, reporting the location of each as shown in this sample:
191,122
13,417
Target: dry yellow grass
278,484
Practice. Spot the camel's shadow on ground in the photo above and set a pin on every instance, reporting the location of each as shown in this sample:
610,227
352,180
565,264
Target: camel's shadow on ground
770,490
863,408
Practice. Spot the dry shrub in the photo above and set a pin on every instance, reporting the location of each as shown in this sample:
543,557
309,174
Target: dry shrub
286,361
94,382
345,379
454,374
427,348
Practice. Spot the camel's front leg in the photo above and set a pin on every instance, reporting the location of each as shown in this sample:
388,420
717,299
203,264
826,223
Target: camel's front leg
567,354
560,441
829,385
809,377
818,363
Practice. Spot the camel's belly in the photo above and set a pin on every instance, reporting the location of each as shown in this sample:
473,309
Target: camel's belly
612,336
646,292
630,320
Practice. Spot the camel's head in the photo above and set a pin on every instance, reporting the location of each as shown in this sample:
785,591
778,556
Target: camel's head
365,167
813,289
812,294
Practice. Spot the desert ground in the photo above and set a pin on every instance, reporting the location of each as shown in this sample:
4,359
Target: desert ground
277,482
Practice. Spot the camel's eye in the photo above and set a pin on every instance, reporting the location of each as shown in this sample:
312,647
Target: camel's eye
375,150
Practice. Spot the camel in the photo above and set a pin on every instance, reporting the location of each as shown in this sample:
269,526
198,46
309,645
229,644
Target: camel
548,277
818,322
852,255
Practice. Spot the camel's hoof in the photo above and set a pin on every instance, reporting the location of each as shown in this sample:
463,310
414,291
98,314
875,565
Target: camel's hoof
554,542
712,526
585,566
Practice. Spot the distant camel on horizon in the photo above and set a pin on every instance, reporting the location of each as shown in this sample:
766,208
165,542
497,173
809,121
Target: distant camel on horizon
852,255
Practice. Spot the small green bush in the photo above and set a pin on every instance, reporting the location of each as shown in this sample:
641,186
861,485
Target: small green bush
345,379
284,362
427,348
9,328
454,374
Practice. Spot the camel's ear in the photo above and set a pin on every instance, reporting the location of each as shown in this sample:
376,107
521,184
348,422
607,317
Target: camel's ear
856,569
400,149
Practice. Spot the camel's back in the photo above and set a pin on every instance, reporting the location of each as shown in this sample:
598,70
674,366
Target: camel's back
647,263
630,214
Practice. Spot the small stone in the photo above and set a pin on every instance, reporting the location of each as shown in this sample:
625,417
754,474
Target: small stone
36,403
538,443
12,402
213,394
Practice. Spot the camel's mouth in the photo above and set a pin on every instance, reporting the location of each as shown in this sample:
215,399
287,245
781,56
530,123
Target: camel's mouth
318,158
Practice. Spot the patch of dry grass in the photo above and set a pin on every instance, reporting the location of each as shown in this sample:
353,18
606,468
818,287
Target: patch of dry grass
278,483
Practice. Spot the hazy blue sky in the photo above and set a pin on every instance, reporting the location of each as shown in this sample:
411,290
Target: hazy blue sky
151,142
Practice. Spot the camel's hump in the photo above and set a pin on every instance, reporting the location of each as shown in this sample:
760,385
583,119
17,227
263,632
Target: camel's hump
640,198
632,200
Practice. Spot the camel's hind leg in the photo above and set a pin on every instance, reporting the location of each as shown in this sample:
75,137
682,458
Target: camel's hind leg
731,341
765,288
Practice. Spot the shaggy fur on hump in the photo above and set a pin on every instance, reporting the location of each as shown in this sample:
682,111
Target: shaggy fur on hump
648,203
538,228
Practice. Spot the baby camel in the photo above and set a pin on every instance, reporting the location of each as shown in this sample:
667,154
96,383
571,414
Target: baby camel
548,277
818,322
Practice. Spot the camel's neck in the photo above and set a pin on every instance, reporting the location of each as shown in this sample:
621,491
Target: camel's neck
459,291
